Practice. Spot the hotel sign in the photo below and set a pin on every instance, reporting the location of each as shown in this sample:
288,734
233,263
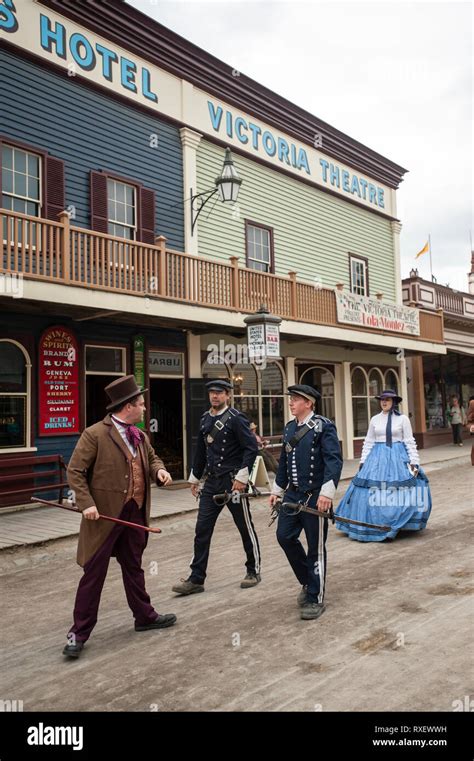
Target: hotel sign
364,312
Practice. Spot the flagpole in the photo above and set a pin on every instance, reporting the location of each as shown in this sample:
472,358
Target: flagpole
431,261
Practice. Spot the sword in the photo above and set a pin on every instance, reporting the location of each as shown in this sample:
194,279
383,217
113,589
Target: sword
236,496
104,517
330,514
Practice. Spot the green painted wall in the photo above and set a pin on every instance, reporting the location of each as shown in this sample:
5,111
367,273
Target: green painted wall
313,231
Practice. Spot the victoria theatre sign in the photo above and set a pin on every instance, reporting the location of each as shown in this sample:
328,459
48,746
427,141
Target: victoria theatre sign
364,312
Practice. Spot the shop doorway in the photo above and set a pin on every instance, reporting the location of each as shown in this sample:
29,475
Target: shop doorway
166,423
96,398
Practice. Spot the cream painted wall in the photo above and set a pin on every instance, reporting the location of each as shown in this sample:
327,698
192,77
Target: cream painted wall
313,231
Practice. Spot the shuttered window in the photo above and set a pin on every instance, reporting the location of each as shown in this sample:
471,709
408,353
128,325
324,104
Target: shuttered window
123,208
32,181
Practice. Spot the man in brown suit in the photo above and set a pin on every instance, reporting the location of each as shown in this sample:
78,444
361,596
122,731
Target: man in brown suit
109,473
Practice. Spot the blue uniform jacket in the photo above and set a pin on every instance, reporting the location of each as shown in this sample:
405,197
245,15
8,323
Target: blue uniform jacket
234,449
318,459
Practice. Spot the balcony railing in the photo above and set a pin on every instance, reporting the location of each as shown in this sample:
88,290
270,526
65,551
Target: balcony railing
59,252
449,302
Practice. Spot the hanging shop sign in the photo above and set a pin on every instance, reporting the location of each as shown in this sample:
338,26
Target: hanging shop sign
263,342
58,383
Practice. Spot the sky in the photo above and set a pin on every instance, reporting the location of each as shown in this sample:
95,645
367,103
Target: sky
396,76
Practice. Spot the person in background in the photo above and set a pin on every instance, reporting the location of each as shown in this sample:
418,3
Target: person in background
390,488
457,416
268,458
470,424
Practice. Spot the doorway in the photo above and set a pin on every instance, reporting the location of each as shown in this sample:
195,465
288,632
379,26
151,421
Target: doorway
166,423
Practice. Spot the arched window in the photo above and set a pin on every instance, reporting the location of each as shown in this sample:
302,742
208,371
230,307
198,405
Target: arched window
211,370
323,381
15,370
244,379
375,388
273,400
391,380
360,401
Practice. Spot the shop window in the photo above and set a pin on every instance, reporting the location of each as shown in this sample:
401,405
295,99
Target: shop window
322,380
435,407
103,365
211,370
14,396
375,389
359,275
273,401
391,380
244,379
259,244
122,207
360,402
105,359
466,375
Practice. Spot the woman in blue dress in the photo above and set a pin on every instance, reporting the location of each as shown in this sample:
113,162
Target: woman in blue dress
390,488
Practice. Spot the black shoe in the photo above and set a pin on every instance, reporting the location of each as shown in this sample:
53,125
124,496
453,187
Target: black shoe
311,610
187,587
162,622
73,651
251,580
301,599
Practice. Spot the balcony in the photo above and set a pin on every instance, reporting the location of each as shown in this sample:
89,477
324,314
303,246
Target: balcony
58,252
457,306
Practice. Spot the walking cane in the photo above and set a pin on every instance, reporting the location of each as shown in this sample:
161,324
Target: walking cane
104,517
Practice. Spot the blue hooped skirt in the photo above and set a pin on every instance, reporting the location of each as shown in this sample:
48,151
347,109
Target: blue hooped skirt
385,492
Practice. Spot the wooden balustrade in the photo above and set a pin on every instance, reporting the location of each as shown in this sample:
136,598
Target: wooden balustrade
60,252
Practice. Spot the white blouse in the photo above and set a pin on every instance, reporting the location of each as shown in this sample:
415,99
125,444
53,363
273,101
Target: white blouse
401,431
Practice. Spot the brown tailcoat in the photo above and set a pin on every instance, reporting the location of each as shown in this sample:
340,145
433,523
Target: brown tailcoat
99,473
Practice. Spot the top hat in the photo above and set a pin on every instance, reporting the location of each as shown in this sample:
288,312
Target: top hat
219,384
121,390
389,394
302,389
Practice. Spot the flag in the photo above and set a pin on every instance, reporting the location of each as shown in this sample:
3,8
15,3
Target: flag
425,248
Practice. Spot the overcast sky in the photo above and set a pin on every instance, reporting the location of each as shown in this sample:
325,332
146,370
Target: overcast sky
394,75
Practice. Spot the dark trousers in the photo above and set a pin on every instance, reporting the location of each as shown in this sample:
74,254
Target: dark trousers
457,433
206,520
127,545
309,568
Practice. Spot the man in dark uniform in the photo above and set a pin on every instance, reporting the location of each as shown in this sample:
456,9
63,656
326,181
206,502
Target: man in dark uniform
309,470
225,453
